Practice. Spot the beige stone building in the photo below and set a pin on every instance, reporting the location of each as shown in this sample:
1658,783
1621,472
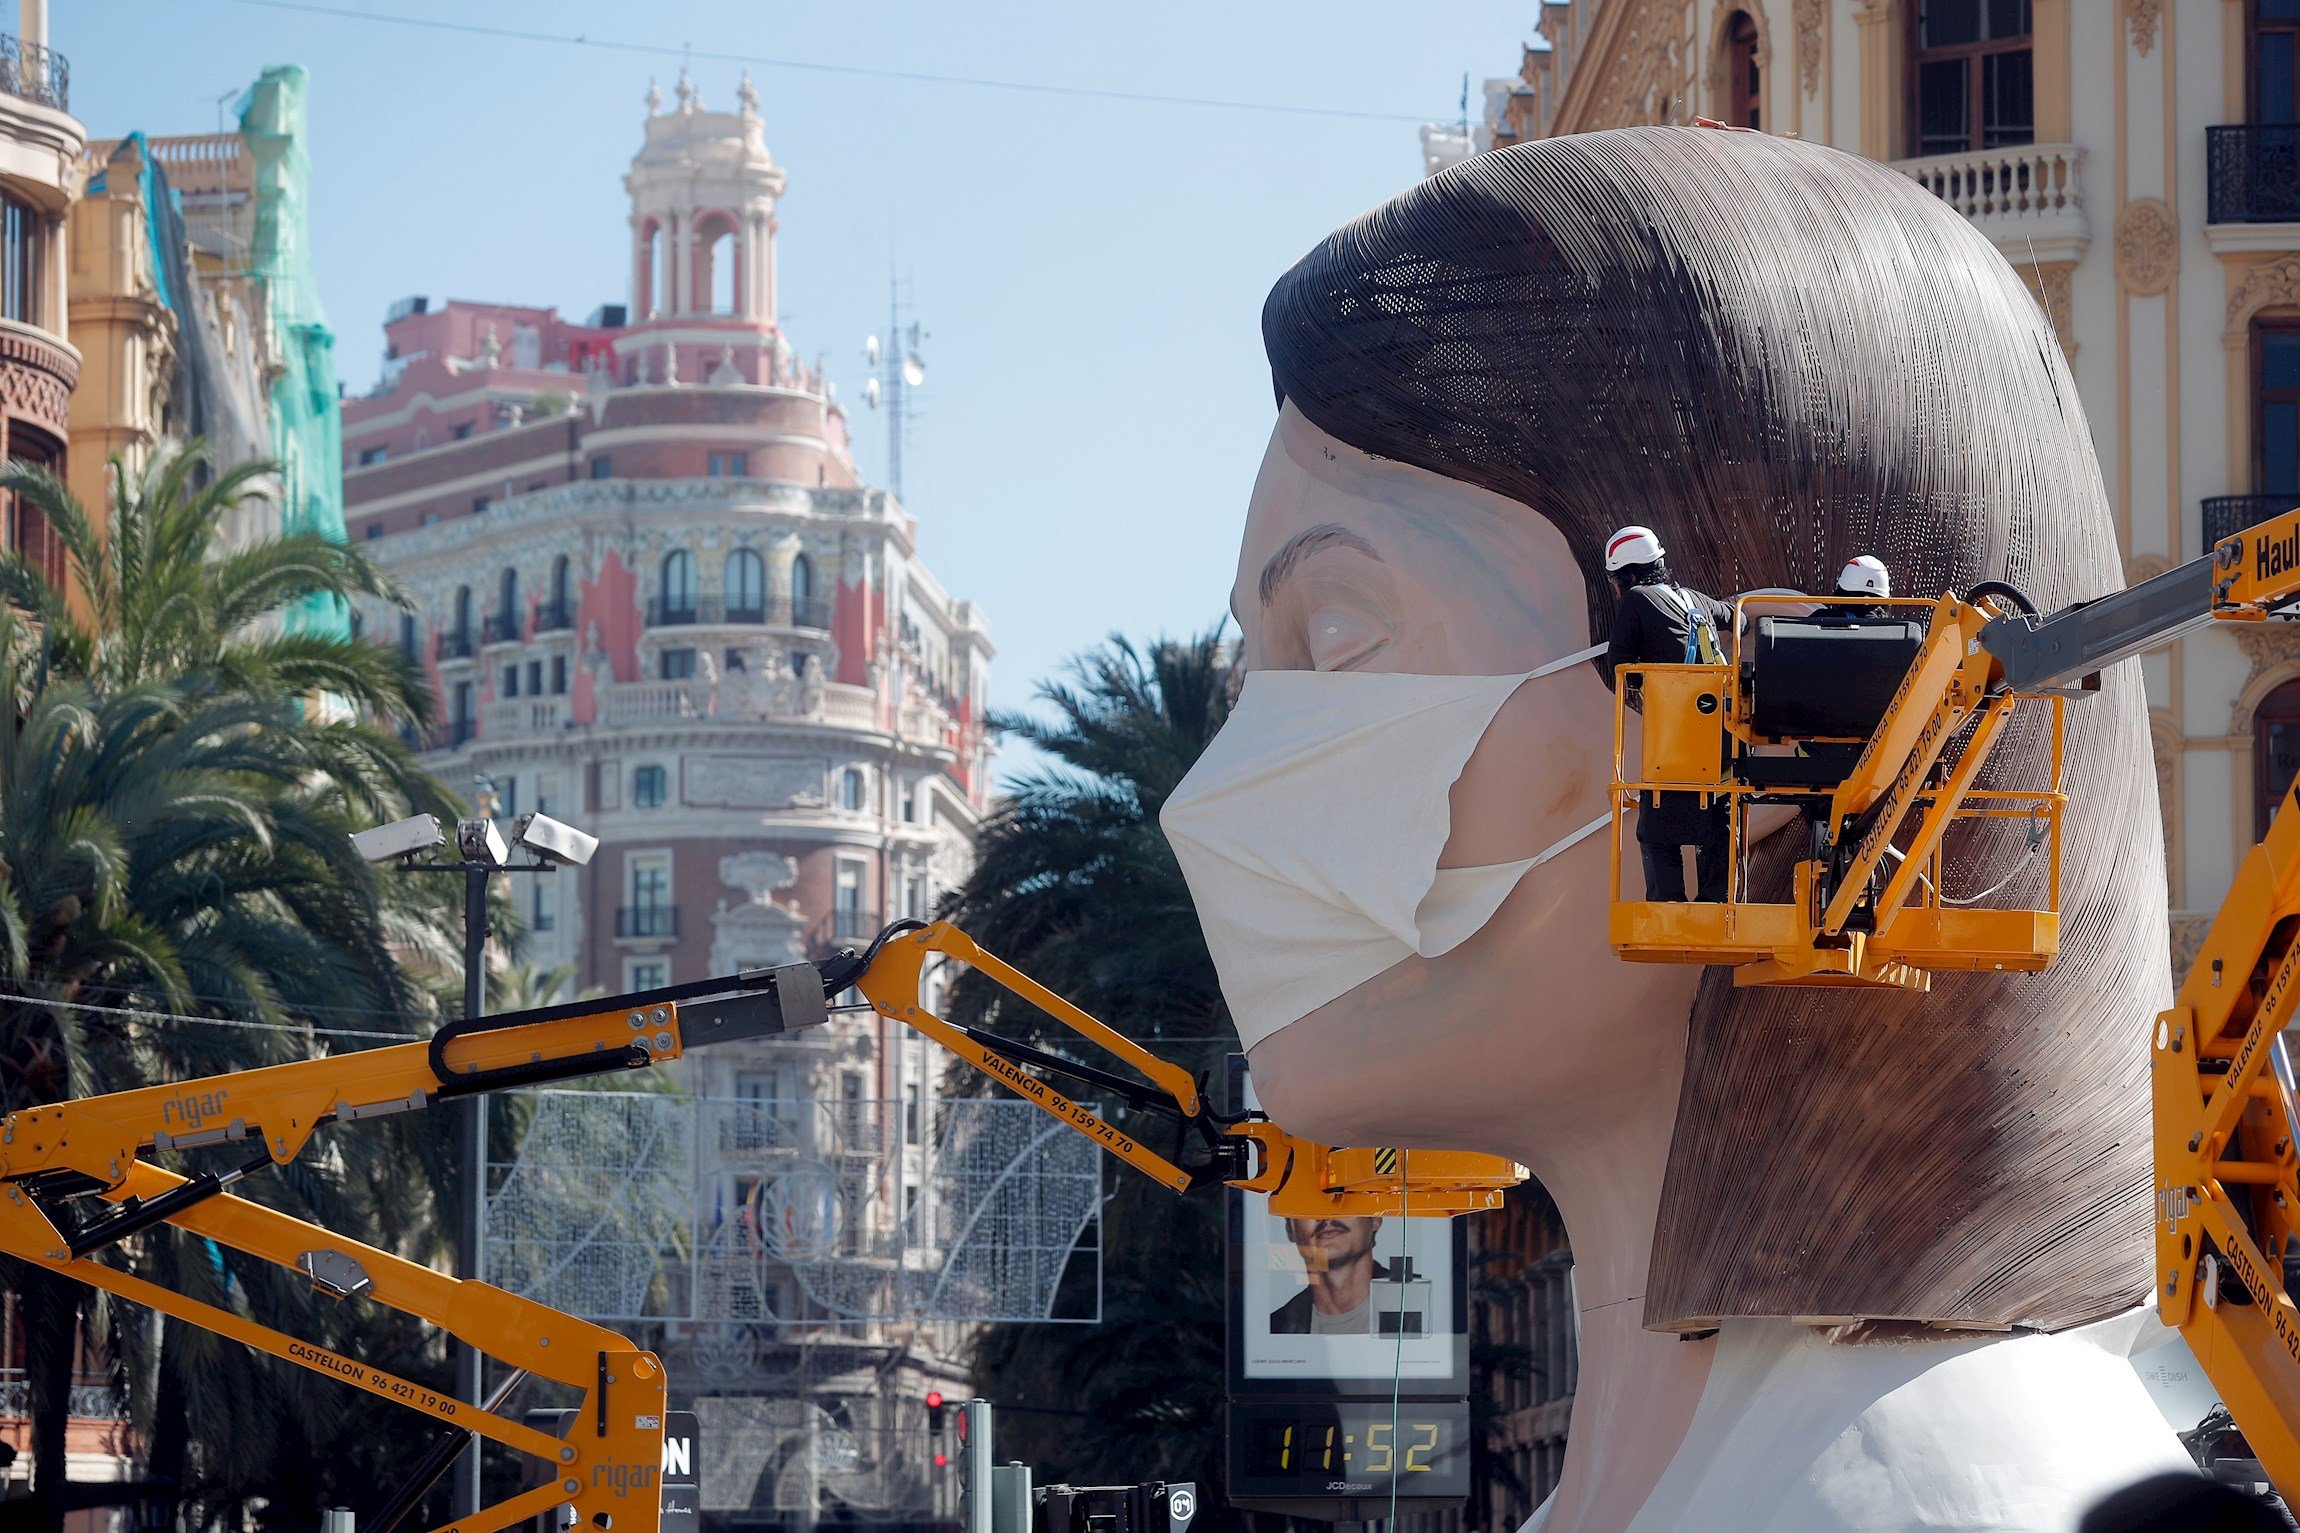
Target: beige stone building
2139,162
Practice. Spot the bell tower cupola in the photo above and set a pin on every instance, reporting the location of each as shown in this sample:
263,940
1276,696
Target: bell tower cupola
703,193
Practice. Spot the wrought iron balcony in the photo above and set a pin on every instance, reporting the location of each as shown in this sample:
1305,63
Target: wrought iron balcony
500,628
647,921
455,646
31,72
848,925
554,616
672,612
2253,172
814,612
2227,515
457,733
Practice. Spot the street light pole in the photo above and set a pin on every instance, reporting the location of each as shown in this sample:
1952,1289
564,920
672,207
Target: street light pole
482,853
474,1134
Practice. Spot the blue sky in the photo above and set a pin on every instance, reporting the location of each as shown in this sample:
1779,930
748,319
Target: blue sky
1091,271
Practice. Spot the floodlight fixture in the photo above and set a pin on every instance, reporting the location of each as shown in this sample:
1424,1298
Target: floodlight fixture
553,841
479,841
401,838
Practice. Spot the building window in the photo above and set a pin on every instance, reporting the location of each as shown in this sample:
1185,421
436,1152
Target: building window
407,636
678,664
730,465
1969,75
678,587
371,456
746,583
462,626
851,790
23,234
547,793
507,799
914,1115
848,918
2275,752
511,680
559,592
374,530
2275,39
429,518
1744,82
558,675
461,433
480,504
802,584
460,726
2275,409
646,974
602,467
647,786
544,914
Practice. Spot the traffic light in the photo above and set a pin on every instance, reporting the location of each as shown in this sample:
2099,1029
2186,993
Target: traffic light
934,1411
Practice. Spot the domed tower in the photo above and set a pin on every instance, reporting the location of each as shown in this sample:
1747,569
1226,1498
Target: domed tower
703,192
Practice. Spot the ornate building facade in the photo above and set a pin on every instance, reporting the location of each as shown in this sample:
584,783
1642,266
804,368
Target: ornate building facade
2131,158
657,601
40,148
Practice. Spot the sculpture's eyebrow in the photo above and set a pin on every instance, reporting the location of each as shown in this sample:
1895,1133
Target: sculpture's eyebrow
1303,544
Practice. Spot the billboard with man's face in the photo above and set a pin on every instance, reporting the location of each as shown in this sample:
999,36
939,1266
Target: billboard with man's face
1343,1301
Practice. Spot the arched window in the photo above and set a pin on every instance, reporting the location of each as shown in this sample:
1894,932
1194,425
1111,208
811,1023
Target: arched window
562,612
851,789
678,596
2275,752
802,592
1745,89
746,586
460,630
718,279
506,625
407,635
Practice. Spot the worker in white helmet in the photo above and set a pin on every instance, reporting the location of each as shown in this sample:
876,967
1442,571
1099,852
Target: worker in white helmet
1864,575
1657,621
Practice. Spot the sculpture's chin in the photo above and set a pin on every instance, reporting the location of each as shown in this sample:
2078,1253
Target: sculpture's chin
1525,1029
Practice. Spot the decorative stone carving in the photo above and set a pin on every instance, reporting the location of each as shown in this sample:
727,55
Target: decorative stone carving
2051,284
1811,20
2147,246
2142,17
1643,91
758,874
2187,941
36,381
755,782
2268,646
2276,282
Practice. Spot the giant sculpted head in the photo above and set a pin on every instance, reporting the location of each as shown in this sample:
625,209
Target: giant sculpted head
1778,356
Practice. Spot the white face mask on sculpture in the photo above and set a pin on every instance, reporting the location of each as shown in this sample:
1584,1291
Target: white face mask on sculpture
1310,832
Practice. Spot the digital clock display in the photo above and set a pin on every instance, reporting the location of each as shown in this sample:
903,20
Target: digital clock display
1349,1448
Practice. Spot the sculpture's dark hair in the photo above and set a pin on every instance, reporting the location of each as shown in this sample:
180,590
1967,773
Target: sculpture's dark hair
1779,355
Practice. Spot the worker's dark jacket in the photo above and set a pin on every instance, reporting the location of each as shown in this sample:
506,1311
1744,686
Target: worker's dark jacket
1649,628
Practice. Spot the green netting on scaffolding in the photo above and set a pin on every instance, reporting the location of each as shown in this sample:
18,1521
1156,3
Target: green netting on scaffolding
307,420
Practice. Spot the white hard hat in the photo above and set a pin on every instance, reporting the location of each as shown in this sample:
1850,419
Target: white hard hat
1631,545
1865,575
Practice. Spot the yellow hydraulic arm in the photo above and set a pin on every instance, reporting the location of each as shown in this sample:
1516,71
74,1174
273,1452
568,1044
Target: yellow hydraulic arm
74,1182
2222,1091
1303,1178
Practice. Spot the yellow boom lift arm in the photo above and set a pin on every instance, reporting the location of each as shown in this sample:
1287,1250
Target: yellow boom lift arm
74,1182
2226,1128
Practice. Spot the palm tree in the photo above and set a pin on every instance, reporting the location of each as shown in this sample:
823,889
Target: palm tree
1077,887
176,798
